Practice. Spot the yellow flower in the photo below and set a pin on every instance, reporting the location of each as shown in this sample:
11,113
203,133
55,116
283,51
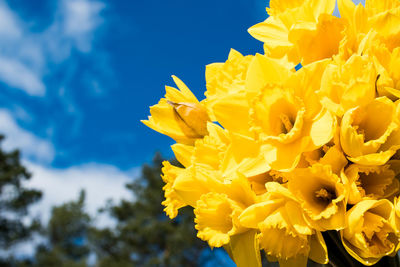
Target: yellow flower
316,41
195,181
179,115
347,85
377,20
225,86
321,195
326,155
370,234
378,6
258,182
284,234
396,217
172,201
287,21
388,66
217,213
369,134
373,182
285,114
217,218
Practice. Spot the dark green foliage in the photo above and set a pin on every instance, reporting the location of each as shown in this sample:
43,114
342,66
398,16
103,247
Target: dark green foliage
15,200
144,235
67,233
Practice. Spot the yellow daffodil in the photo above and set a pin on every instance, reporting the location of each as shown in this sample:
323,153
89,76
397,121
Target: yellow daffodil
396,216
217,218
284,233
258,182
225,86
378,19
378,6
348,85
388,66
370,234
373,182
179,115
369,134
217,213
275,155
321,194
172,201
291,20
326,155
286,115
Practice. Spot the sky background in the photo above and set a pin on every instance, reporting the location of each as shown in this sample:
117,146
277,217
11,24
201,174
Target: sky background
77,76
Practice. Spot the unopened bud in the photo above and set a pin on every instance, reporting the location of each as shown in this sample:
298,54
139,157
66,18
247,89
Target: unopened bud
192,118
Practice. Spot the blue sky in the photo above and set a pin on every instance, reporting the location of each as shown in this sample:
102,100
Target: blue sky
95,72
77,76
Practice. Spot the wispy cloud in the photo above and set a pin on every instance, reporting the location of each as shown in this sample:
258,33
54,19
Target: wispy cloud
26,57
9,27
16,74
31,146
81,18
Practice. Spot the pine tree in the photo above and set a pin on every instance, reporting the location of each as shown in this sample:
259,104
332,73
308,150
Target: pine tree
15,200
67,233
144,235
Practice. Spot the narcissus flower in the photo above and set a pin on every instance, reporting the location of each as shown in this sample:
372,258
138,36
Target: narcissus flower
388,65
217,218
179,115
370,235
293,22
276,155
284,233
321,195
173,201
226,86
285,114
378,20
368,134
373,182
348,85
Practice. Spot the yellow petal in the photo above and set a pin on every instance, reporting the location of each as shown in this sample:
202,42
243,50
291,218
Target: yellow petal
298,261
264,70
232,112
323,128
183,153
245,249
318,249
187,94
215,214
317,41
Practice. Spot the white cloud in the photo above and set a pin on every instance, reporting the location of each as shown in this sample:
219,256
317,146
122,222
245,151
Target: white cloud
30,145
9,27
26,56
15,74
101,182
81,19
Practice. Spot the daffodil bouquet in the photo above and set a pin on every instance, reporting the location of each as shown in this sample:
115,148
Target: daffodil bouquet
295,152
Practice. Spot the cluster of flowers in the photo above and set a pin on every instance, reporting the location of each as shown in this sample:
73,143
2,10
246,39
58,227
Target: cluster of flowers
273,156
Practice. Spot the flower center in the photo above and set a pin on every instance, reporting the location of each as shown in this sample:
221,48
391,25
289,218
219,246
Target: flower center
325,195
287,124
